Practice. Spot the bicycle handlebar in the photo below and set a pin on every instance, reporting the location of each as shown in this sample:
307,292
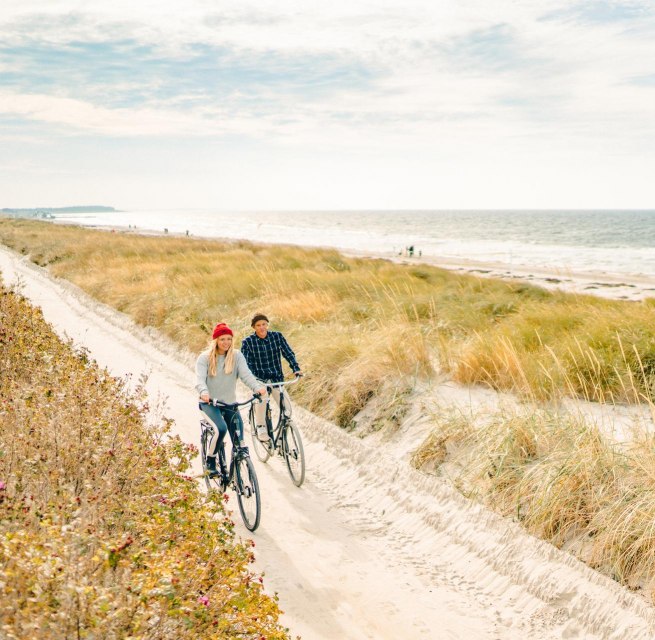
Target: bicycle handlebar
284,383
234,405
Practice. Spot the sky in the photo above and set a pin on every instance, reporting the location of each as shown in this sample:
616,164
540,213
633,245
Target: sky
419,104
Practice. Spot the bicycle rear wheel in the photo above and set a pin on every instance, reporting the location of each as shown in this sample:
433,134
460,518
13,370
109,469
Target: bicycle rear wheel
247,489
294,454
262,449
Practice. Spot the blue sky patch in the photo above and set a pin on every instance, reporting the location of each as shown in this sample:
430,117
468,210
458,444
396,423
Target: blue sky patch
128,74
602,12
644,81
494,49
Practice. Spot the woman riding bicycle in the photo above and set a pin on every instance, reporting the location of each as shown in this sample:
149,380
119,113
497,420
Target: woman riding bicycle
217,371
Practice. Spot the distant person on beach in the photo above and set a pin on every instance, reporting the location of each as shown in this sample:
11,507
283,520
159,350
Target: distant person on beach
217,370
263,351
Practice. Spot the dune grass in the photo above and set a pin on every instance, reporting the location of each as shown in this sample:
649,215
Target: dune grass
561,479
102,533
361,327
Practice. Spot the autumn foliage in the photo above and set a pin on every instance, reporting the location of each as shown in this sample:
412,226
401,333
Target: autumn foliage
102,533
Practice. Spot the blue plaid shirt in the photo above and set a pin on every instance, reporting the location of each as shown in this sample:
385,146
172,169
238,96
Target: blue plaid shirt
263,355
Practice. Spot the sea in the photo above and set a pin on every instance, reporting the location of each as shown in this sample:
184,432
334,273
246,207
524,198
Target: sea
599,241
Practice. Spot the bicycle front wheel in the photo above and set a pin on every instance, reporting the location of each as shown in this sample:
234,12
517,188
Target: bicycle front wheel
262,449
294,454
247,489
203,458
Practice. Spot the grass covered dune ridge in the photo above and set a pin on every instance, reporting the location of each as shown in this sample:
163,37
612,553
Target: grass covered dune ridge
561,479
361,327
102,533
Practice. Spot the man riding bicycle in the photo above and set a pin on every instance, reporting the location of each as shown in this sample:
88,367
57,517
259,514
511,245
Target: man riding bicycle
263,351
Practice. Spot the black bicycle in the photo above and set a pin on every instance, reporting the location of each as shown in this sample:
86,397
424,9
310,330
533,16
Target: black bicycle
241,474
283,438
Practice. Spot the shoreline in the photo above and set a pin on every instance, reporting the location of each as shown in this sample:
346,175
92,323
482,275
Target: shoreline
597,283
613,286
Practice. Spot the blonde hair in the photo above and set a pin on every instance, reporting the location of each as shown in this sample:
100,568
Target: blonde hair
228,365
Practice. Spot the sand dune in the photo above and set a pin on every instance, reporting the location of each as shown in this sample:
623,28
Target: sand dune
368,547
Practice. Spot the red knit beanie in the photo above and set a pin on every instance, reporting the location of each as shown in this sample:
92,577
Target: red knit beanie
221,329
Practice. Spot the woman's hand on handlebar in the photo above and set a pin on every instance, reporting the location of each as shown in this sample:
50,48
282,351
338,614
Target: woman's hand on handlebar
204,397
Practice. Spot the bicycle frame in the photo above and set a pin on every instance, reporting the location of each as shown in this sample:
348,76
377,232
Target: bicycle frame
284,438
207,430
240,475
276,431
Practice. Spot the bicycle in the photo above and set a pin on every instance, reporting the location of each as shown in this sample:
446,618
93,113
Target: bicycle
284,438
241,475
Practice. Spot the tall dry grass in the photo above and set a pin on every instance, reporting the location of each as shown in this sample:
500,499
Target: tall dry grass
561,478
361,326
102,533
597,350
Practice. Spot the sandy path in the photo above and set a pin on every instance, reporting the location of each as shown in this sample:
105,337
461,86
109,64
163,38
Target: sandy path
368,548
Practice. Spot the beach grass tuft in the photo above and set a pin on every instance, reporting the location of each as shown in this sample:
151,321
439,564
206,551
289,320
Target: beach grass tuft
561,478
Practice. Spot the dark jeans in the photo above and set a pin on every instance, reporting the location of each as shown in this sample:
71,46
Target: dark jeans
222,418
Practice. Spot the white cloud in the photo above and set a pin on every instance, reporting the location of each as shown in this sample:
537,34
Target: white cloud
79,116
443,92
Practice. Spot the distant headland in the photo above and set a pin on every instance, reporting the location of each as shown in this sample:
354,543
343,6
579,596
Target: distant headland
49,212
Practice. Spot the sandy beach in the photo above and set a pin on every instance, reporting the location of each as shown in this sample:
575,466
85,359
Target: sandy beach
598,283
369,547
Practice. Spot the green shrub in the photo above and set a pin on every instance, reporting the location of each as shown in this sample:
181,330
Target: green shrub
103,534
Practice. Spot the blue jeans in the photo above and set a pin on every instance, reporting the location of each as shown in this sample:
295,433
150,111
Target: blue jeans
225,420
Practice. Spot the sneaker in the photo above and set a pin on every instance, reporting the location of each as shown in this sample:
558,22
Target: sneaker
262,433
212,471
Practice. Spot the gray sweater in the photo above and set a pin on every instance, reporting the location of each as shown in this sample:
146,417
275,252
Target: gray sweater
222,386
